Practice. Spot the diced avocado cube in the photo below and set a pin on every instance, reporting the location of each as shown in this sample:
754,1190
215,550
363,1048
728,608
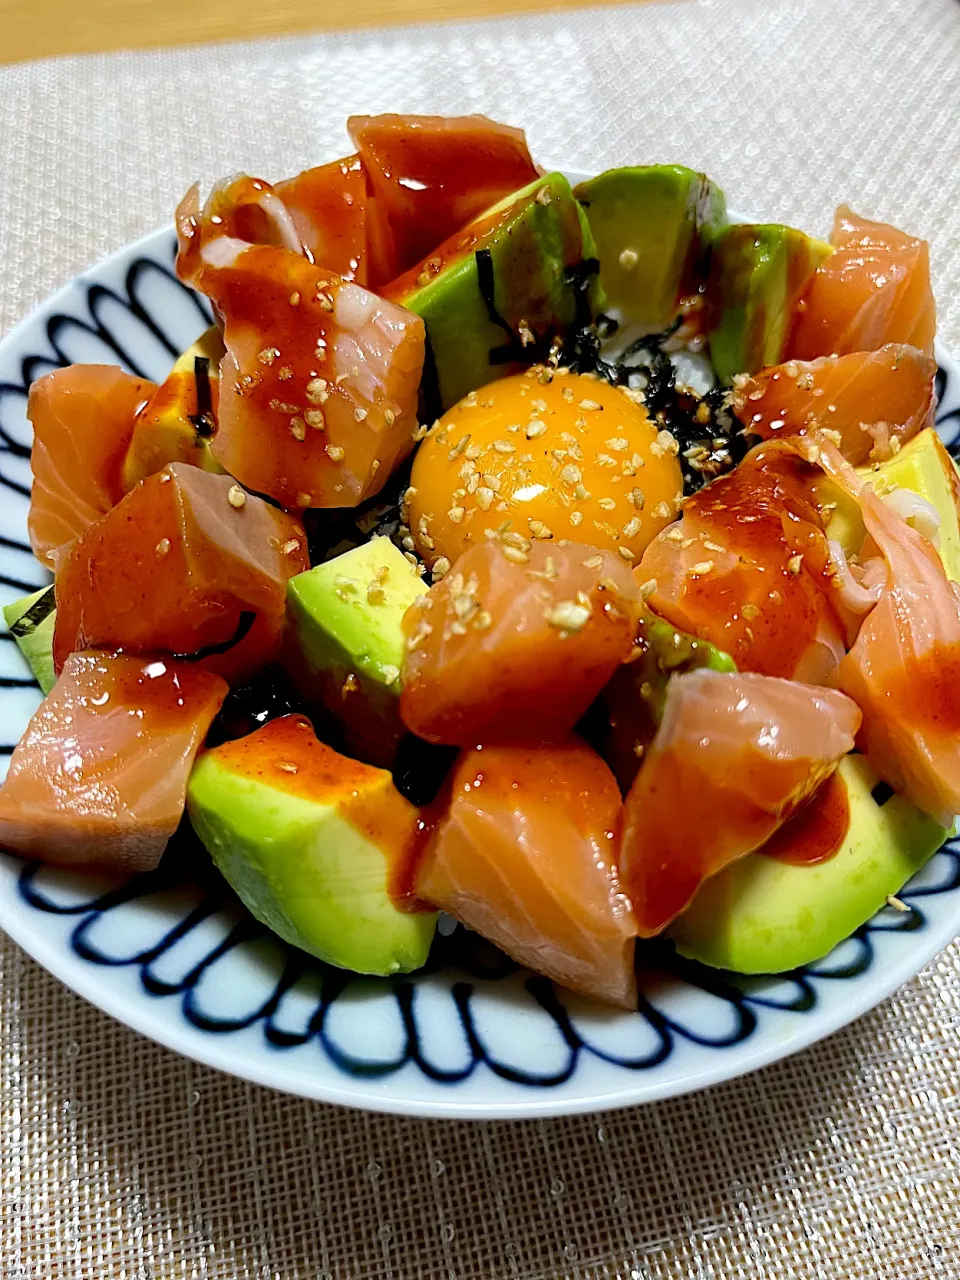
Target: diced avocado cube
764,915
634,699
179,422
501,283
345,644
651,225
758,274
316,845
31,621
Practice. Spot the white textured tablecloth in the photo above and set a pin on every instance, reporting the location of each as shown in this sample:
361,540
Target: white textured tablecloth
118,1159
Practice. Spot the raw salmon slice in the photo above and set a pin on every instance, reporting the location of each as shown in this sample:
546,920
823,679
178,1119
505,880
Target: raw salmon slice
874,289
904,668
428,176
870,398
83,419
328,206
241,208
318,390
100,776
526,855
516,641
749,569
734,757
186,563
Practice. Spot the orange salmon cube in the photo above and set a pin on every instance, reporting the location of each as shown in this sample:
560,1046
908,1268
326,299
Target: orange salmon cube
100,776
516,642
187,562
526,855
83,418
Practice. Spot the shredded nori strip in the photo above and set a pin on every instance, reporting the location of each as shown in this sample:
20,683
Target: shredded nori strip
881,793
707,447
333,530
247,619
421,768
248,707
431,401
203,419
40,609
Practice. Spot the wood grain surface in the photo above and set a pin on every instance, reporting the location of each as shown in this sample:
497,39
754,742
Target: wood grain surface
45,28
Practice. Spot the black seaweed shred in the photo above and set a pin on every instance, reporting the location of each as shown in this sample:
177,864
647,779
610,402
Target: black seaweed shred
708,448
203,419
333,530
40,609
247,619
421,768
248,707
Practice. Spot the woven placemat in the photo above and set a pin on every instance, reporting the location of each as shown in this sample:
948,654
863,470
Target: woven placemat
119,1160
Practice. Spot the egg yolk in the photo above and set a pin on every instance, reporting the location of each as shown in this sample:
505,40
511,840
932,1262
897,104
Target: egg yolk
544,454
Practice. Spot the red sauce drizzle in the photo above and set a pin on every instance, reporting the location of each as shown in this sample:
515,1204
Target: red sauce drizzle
816,833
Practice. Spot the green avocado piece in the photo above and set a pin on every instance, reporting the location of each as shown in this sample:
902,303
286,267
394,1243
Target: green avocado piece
651,225
762,915
310,847
923,466
634,699
758,273
344,642
30,621
512,265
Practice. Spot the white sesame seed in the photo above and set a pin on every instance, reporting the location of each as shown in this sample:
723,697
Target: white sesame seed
626,553
515,554
484,498
163,546
456,514
701,567
290,546
589,406
268,355
568,616
236,497
316,391
334,453
298,429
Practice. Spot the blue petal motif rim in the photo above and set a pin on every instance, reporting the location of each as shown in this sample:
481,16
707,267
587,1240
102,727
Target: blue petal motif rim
173,955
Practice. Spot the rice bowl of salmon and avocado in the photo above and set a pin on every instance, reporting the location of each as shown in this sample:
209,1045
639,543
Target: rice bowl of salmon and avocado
568,562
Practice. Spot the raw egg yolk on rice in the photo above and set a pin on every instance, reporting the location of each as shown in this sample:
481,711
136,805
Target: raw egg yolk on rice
546,454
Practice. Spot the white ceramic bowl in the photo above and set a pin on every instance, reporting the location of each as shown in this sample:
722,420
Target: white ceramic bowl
180,961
